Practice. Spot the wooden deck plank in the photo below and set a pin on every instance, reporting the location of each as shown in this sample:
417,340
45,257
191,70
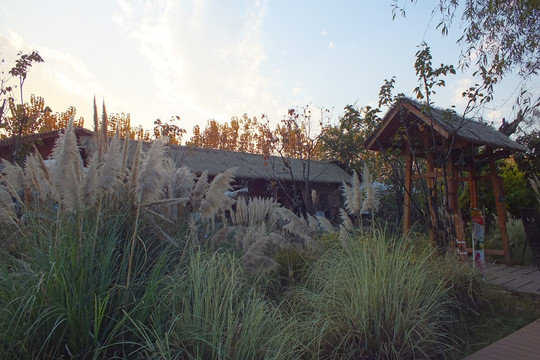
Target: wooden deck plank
522,344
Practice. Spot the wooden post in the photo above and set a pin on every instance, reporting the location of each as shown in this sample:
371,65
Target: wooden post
501,207
473,187
453,202
432,186
408,191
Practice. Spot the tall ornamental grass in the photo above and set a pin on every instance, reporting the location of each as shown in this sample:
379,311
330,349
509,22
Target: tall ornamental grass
66,295
375,300
217,313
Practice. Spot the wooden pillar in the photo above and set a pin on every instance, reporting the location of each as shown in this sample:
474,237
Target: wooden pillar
501,207
432,186
453,202
473,187
408,191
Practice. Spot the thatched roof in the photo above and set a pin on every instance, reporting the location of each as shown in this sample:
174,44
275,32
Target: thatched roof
463,132
254,166
53,134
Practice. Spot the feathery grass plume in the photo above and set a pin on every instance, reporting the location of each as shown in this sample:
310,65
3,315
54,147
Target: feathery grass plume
220,237
326,224
352,195
240,215
371,201
215,198
90,182
254,259
180,185
125,153
37,178
96,125
181,182
7,208
312,223
199,190
344,237
135,166
314,196
152,174
13,174
346,220
103,136
295,225
67,168
262,210
111,168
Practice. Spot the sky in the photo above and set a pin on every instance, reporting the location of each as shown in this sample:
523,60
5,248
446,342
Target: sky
202,59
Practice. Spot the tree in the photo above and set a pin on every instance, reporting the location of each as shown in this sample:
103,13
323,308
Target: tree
170,130
499,37
19,72
32,118
40,118
529,162
344,142
242,134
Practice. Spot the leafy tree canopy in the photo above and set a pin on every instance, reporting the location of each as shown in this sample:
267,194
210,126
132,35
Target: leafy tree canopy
499,36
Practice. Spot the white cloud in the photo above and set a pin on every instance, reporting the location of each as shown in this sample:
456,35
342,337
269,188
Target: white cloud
324,33
331,45
458,90
203,64
63,80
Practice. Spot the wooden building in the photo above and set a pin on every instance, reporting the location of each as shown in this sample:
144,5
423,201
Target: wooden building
454,148
273,177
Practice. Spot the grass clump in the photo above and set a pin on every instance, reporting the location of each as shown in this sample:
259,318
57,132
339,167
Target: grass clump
375,301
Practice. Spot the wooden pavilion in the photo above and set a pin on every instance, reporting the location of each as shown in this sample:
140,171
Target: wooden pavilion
454,149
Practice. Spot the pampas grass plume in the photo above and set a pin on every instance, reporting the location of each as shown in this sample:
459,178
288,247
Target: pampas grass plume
295,225
150,180
326,224
7,208
215,198
66,173
347,222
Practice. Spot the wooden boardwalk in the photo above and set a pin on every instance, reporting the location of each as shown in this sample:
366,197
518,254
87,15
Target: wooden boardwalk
516,278
523,344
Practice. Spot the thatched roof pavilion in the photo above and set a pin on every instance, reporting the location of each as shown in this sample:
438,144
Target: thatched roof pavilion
455,143
464,133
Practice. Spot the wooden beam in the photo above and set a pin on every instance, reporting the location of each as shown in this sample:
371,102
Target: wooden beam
501,208
408,191
489,251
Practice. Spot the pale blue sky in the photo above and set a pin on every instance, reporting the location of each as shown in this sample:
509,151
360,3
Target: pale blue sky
204,59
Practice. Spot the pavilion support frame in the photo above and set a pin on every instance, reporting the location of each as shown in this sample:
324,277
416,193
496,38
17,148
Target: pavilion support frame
453,179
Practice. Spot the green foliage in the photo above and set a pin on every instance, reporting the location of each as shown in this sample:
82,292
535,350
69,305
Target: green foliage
63,296
518,192
375,301
345,142
529,162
